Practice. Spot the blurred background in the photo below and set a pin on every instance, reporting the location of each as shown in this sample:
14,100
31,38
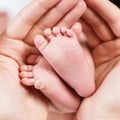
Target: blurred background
8,9
12,7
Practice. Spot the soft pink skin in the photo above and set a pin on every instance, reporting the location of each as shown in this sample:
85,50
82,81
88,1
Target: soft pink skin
45,79
65,55
62,42
16,100
3,21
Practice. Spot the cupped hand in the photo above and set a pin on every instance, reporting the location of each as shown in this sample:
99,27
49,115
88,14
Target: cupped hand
16,43
101,24
4,17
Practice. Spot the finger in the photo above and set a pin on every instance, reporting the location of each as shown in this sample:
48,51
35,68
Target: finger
109,12
51,18
98,24
106,52
74,15
57,13
25,20
93,40
3,21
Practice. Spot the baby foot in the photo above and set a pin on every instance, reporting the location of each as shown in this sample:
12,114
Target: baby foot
44,78
64,53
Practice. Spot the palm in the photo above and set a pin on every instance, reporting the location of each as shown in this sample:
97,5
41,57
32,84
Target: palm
19,99
15,46
105,101
104,41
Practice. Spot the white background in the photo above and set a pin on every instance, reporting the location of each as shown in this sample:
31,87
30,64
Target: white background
13,6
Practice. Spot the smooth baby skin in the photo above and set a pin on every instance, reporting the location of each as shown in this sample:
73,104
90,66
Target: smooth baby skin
66,42
66,56
16,99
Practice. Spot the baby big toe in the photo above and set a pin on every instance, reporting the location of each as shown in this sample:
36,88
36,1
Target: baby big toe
40,42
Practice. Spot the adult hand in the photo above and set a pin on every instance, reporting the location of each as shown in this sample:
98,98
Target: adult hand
3,20
16,43
101,23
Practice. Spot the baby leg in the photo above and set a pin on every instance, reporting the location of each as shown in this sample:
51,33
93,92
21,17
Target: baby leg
45,79
66,56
